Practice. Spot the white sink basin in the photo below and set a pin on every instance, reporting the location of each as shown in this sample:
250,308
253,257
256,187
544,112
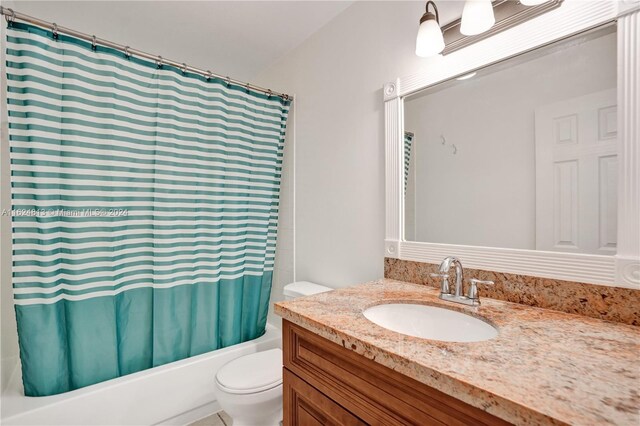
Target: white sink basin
430,322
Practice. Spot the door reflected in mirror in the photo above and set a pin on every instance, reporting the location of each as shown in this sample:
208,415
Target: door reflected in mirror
522,155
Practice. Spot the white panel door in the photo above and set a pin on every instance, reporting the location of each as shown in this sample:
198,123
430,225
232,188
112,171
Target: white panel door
576,174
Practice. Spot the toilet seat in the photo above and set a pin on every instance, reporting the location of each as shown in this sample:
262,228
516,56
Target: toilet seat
254,373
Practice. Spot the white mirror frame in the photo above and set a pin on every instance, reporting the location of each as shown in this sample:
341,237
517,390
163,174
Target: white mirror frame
621,270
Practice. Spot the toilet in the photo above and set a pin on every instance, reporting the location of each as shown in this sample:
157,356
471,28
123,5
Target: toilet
249,388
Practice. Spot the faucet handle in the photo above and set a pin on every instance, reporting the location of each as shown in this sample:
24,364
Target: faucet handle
472,293
438,275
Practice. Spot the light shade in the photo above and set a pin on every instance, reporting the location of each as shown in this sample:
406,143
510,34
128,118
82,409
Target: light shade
430,41
477,17
532,2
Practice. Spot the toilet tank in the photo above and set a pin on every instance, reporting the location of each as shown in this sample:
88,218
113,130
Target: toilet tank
303,288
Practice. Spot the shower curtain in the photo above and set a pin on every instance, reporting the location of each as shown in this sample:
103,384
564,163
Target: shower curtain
145,210
408,142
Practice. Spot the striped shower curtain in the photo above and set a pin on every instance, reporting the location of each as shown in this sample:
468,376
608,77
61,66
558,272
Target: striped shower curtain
145,209
408,143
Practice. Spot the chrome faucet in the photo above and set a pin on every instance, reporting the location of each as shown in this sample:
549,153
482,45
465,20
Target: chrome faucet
472,297
443,273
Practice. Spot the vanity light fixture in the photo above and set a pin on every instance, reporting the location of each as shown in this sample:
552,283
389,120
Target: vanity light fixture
477,17
507,14
532,2
430,41
466,76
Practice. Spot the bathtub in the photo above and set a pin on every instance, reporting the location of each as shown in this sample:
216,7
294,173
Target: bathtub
173,394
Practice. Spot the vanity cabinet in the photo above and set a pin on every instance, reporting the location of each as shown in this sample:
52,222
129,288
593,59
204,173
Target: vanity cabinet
328,384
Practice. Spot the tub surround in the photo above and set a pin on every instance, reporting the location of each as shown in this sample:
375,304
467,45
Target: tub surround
545,367
596,301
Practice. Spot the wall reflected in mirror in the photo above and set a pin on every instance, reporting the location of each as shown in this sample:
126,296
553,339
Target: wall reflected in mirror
522,154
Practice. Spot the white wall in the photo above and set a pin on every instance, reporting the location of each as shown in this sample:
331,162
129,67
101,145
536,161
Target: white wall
235,38
337,76
485,194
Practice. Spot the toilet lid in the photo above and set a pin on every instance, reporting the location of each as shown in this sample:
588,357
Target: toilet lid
252,373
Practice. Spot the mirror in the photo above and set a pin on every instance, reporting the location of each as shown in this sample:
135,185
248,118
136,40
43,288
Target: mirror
520,154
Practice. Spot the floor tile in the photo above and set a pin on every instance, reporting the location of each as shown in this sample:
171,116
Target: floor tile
213,420
225,418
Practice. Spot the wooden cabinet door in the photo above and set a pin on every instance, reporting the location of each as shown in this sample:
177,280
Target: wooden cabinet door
361,389
305,406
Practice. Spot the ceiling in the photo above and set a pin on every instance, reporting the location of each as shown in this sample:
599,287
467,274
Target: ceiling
236,38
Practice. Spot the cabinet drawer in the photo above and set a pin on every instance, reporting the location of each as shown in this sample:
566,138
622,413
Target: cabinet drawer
304,405
372,392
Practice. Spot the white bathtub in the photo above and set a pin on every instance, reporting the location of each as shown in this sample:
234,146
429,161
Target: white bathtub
174,394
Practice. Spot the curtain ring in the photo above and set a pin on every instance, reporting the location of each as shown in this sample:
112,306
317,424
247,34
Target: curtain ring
247,87
269,93
127,54
94,44
55,31
208,76
159,62
184,68
228,81
11,17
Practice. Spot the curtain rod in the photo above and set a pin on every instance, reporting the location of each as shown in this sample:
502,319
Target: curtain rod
11,16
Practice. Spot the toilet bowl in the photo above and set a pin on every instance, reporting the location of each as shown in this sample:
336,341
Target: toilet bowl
249,388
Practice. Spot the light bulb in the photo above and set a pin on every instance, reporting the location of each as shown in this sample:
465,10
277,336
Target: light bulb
477,17
532,2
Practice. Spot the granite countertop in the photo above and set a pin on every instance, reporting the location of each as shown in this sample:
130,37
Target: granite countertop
544,367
